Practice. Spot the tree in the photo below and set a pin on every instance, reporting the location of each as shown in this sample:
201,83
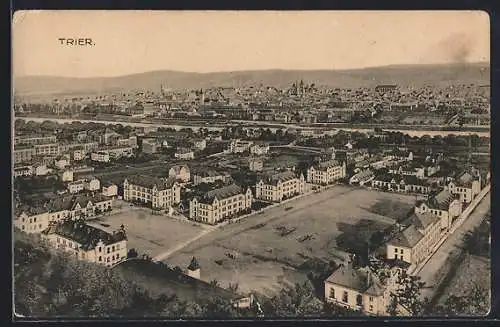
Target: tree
406,294
296,301
475,301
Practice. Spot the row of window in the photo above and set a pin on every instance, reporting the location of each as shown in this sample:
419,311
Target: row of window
345,297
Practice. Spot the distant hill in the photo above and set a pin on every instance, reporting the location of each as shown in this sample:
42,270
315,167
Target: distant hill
403,75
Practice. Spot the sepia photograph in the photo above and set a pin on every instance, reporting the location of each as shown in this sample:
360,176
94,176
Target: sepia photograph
198,165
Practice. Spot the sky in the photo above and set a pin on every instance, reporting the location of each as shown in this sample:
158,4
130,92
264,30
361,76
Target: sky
128,42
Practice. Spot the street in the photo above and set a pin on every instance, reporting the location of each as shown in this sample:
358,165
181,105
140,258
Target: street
428,272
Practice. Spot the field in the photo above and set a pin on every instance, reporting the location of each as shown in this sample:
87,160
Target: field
267,250
148,233
473,269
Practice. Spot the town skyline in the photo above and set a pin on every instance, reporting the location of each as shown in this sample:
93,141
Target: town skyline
208,42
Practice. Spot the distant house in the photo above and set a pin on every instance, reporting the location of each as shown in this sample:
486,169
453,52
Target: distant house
256,164
87,242
23,170
76,186
209,176
239,146
415,242
279,186
400,183
466,185
200,144
184,154
40,169
259,149
180,173
110,189
66,176
361,178
218,204
326,172
386,88
100,156
445,205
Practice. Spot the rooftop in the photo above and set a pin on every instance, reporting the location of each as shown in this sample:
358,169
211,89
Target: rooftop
361,280
150,182
87,236
409,237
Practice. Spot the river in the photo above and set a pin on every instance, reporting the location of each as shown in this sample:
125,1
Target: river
214,127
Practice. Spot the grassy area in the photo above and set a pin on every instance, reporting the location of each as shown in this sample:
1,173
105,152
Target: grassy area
148,233
473,269
266,251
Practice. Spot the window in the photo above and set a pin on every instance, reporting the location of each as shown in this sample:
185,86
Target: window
100,249
395,250
401,251
113,249
23,227
107,259
345,297
34,220
332,293
108,250
371,308
359,299
100,258
371,298
117,247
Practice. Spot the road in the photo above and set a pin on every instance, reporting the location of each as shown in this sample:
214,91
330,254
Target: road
428,272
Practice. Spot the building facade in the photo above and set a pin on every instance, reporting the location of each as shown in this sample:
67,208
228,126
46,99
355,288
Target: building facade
280,186
87,242
159,193
326,172
218,204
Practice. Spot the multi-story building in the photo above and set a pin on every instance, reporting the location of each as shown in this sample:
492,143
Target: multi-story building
180,173
24,170
239,146
466,185
88,242
34,219
92,184
110,190
184,154
326,172
33,139
66,176
116,152
76,186
255,164
401,183
160,193
46,149
218,204
200,144
362,178
445,205
259,149
415,242
357,289
279,186
23,154
210,176
100,156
